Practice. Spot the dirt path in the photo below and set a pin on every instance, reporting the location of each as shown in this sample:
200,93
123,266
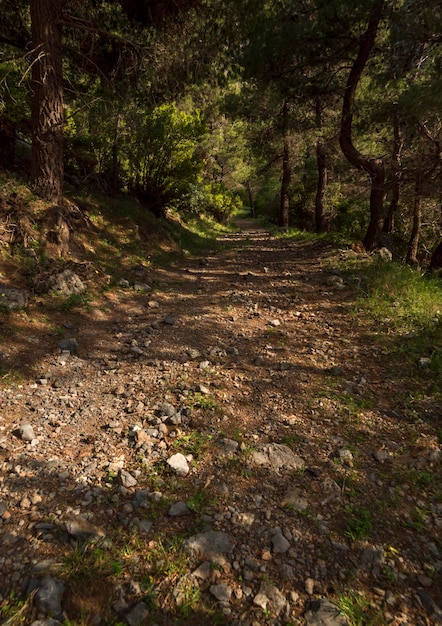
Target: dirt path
299,451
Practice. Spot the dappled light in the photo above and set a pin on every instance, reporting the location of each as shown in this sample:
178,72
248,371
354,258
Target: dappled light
244,395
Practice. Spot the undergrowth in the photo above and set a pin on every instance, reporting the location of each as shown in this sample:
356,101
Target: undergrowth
406,305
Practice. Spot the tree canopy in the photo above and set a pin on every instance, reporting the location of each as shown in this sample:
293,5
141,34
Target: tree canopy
310,114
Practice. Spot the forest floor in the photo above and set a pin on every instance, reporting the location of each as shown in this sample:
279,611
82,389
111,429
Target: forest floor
238,445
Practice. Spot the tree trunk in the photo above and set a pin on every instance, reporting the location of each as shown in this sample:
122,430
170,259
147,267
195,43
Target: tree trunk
436,259
250,196
395,176
47,99
321,160
284,206
373,166
115,182
377,217
417,223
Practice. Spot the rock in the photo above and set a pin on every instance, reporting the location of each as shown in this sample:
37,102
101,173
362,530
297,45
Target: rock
336,371
222,592
144,287
126,479
380,455
48,596
68,345
46,622
193,353
430,606
26,432
203,389
424,362
179,464
82,529
346,457
277,456
124,283
139,615
169,320
331,490
68,283
373,556
275,323
203,571
384,253
309,586
324,613
294,500
177,509
228,446
166,409
269,598
144,525
334,281
280,543
210,544
12,298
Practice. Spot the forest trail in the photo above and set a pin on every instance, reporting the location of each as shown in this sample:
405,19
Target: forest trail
240,438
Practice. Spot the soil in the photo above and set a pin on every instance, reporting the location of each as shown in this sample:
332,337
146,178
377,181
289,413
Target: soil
257,342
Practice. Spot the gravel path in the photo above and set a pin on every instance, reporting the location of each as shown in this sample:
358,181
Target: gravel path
226,444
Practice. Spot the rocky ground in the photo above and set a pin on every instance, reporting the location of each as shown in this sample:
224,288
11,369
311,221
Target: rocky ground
228,443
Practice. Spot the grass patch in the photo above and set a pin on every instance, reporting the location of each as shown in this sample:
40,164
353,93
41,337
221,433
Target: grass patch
359,522
358,610
406,304
194,443
73,301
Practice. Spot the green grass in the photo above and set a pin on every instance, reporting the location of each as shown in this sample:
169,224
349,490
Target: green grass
202,401
73,301
358,611
194,443
359,523
406,307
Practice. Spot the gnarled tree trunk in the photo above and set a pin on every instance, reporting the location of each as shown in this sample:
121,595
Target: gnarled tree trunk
373,166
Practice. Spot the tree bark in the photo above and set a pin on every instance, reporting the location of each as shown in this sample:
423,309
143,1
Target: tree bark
417,223
47,99
436,259
395,175
284,205
321,160
251,200
373,166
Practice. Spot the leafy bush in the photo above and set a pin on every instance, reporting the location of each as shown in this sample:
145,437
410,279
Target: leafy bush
212,199
160,153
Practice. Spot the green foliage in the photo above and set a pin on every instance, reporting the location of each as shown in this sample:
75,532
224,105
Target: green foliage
408,304
160,152
350,219
14,103
194,443
357,610
74,300
212,199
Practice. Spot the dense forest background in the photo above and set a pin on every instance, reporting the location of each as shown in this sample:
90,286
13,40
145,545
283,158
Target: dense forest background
310,113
